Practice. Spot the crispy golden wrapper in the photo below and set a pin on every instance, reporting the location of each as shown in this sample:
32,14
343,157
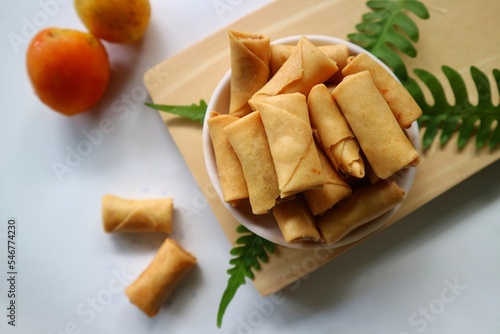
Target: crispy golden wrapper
250,56
382,140
129,215
155,284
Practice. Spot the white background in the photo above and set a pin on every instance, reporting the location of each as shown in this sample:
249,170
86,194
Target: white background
71,274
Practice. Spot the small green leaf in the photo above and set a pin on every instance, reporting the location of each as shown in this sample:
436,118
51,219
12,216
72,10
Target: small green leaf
362,40
465,131
399,41
462,116
483,87
408,26
449,126
484,131
417,8
378,4
252,249
459,89
388,29
195,112
495,137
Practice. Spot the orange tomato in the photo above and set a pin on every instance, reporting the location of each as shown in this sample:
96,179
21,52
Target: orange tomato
115,21
68,69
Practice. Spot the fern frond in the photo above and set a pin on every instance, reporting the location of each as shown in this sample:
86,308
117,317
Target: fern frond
481,119
251,250
387,29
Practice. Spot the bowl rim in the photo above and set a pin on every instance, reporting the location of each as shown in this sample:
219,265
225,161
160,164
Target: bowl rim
404,177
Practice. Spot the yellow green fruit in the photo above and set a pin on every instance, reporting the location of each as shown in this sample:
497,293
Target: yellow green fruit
116,21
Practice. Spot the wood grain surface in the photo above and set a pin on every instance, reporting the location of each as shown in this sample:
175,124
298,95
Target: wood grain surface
460,33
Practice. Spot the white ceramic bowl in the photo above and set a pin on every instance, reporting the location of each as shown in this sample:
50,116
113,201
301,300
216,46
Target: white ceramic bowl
265,225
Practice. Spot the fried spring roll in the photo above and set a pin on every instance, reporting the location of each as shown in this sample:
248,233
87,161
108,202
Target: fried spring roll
334,189
150,290
334,133
286,122
281,52
368,202
250,56
401,103
232,180
248,139
127,215
306,67
296,221
382,140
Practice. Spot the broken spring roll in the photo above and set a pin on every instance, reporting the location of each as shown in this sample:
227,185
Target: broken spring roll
232,180
306,67
401,103
368,202
286,122
334,189
281,52
248,139
334,133
295,221
382,140
250,56
127,215
155,284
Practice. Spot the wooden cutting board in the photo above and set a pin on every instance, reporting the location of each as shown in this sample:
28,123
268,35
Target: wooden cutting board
459,34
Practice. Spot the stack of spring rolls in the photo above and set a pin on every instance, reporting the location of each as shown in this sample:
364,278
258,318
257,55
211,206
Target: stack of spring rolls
312,135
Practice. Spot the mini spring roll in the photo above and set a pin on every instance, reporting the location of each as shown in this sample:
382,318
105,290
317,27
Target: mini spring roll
286,122
368,202
248,139
155,284
127,215
232,180
334,189
334,133
306,67
250,56
401,103
382,140
281,52
295,221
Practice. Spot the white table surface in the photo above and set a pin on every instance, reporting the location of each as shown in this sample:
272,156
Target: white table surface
436,271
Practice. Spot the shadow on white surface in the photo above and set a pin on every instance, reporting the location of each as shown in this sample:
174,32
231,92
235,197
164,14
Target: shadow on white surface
390,280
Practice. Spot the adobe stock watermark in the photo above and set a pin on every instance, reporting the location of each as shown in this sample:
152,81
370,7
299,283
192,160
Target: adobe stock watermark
30,25
424,315
88,310
75,155
199,200
224,7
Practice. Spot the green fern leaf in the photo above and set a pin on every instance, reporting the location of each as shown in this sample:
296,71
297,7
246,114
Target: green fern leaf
387,29
462,116
250,251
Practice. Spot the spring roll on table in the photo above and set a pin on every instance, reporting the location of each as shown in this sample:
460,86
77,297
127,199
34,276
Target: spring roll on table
334,189
131,215
288,130
250,56
295,221
334,133
248,139
232,180
155,284
306,67
401,103
382,140
368,202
